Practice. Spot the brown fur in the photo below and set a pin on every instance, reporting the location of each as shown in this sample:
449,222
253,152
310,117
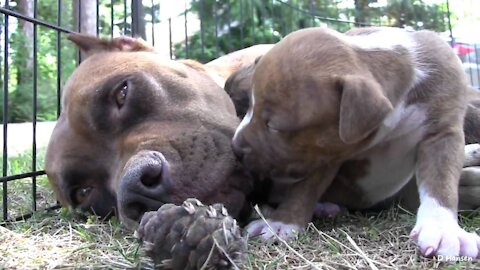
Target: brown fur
169,141
307,118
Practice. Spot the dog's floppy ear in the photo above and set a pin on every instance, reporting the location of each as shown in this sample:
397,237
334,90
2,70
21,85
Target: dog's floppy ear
89,44
363,107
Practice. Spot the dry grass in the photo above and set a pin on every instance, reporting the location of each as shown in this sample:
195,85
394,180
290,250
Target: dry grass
57,240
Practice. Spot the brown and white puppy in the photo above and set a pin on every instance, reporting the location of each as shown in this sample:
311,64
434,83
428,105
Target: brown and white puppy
137,131
349,118
239,86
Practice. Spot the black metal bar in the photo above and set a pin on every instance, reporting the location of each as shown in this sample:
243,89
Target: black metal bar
272,15
477,63
215,17
5,115
292,22
262,21
59,57
202,29
35,105
153,23
186,32
241,23
452,42
97,17
125,18
312,12
79,28
170,44
111,17
229,22
283,23
21,176
470,68
15,14
138,19
253,20
29,215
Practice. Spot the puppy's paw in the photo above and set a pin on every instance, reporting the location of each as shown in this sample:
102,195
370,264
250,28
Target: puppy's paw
327,209
445,238
260,228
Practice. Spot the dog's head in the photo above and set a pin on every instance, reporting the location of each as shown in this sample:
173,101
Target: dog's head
137,131
313,104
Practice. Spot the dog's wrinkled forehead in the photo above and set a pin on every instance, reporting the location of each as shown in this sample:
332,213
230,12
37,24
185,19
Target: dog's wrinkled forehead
109,57
102,66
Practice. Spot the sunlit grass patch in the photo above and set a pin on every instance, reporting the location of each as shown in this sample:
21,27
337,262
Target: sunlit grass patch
56,239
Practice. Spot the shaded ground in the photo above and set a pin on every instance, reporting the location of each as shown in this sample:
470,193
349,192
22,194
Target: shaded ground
355,241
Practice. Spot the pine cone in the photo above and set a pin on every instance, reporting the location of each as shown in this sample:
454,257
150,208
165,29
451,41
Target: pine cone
191,236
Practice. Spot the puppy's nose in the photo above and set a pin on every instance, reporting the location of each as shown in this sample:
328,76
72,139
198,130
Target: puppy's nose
143,186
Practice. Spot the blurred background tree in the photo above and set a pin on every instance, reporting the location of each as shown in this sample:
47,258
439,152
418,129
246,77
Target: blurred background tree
225,26
21,49
228,25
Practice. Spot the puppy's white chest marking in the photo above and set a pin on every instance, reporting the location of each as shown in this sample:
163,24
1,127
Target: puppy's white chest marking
247,118
392,153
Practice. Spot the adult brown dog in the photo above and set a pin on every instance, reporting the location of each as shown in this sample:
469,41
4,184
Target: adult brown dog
349,118
137,131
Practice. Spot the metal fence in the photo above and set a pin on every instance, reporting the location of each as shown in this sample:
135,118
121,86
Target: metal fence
201,29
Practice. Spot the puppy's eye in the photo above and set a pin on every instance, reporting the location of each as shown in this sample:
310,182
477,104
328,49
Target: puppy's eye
271,127
121,94
81,194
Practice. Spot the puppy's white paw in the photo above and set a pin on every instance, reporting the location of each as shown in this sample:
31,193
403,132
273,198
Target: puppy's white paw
437,232
445,238
260,228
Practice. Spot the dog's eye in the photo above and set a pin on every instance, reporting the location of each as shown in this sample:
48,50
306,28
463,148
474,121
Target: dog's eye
121,95
81,194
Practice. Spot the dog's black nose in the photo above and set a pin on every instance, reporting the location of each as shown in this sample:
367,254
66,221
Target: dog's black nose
144,184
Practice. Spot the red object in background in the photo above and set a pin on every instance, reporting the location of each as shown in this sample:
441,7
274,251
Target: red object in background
461,49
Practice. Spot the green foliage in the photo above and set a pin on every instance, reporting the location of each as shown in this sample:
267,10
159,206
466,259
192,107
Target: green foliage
21,68
231,25
226,25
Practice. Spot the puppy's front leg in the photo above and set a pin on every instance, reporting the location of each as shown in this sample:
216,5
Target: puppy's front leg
296,210
437,232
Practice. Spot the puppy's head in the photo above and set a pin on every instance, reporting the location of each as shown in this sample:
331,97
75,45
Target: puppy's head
137,131
313,104
239,85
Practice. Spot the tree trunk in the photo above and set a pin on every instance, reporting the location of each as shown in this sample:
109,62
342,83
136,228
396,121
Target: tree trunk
138,19
88,16
361,7
85,19
25,7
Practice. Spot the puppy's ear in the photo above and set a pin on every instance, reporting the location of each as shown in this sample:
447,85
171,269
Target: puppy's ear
363,107
91,44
